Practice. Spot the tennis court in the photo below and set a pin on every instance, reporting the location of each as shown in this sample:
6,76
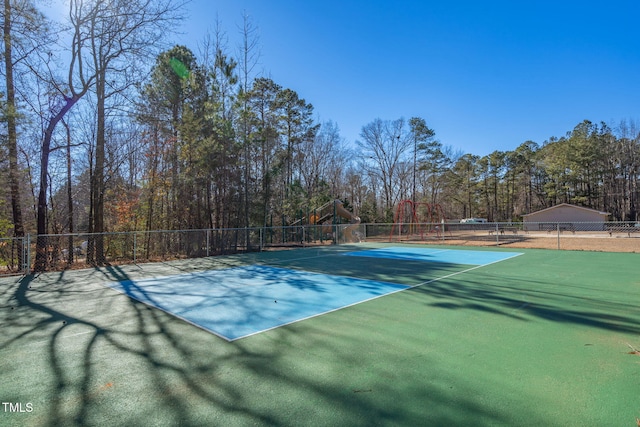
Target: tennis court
367,334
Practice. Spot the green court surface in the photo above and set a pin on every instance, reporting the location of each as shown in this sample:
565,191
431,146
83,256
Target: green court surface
545,338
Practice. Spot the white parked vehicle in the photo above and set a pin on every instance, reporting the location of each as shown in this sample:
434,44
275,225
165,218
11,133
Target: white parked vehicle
473,221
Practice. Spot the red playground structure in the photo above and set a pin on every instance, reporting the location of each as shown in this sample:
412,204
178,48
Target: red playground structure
417,219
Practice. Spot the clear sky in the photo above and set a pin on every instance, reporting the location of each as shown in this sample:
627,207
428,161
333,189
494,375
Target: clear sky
485,75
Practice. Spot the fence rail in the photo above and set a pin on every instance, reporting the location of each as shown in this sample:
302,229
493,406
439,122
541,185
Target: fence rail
63,251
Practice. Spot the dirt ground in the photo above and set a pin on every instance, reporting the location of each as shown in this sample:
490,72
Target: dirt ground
567,241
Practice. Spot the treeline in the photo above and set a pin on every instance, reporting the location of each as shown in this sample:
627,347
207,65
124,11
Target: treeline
593,166
111,142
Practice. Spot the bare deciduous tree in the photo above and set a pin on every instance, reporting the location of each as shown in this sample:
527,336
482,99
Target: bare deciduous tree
108,40
385,144
24,32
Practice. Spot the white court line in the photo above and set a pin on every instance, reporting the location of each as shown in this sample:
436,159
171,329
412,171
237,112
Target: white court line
465,271
335,253
318,314
441,250
270,262
371,299
311,316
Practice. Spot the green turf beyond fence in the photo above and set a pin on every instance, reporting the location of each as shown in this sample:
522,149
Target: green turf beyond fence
547,338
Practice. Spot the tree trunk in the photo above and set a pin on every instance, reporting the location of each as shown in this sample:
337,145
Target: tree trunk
41,243
12,137
70,252
97,189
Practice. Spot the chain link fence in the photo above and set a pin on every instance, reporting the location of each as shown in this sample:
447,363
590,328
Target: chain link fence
54,252
67,250
14,255
598,236
64,251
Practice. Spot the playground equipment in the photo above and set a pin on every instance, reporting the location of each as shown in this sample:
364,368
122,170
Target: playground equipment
414,219
329,214
349,231
323,223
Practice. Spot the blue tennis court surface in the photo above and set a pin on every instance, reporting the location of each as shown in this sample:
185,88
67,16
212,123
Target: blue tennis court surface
237,302
452,256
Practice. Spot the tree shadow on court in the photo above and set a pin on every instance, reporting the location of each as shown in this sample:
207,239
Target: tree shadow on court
73,329
97,357
528,299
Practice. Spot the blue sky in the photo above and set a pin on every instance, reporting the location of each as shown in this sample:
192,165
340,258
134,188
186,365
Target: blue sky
485,75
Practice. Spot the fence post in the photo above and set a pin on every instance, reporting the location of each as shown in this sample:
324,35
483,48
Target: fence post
558,230
26,254
497,235
135,246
